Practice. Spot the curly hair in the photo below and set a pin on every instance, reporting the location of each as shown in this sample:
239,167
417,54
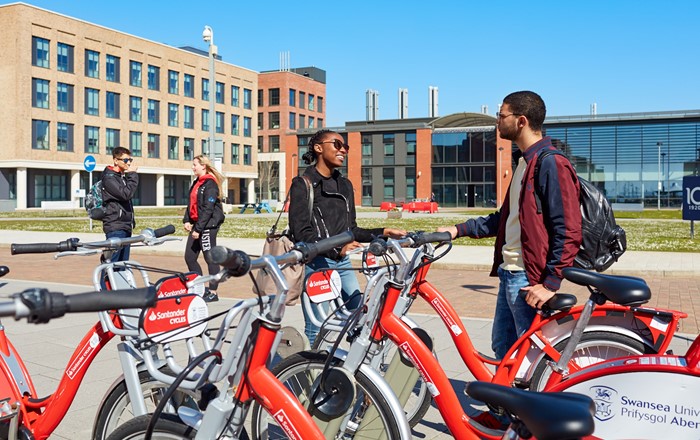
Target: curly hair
310,156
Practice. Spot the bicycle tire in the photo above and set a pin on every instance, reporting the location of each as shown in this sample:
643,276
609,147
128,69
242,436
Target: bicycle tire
418,403
594,347
289,371
116,408
168,427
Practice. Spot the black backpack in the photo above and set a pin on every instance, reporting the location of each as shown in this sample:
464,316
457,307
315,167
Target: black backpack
602,240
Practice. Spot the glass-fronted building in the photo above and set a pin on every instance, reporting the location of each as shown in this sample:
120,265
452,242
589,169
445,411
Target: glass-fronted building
638,158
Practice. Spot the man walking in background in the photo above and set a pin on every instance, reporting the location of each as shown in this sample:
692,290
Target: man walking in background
119,184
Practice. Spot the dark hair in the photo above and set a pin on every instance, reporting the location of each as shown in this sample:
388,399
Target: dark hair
530,105
310,156
118,151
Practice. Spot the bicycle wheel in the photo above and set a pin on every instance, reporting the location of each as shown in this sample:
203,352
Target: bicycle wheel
168,427
299,372
418,401
116,408
594,347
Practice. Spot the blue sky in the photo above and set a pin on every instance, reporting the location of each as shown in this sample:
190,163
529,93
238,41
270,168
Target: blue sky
626,56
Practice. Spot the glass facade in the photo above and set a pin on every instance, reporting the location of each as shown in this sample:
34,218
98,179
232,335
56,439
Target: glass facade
464,167
632,160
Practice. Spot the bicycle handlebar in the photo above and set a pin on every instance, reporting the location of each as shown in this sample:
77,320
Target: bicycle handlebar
39,306
44,248
73,244
421,238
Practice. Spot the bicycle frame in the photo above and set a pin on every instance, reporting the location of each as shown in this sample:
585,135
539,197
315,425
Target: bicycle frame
666,406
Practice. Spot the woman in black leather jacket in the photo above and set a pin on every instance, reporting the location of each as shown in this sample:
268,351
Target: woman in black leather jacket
333,213
203,216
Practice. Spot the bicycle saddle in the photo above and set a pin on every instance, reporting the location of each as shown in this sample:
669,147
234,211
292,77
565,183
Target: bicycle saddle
623,290
548,416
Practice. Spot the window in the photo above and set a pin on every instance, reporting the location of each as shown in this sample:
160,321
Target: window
205,147
302,99
302,121
135,106
247,155
312,100
247,99
219,122
205,120
153,111
40,93
64,136
274,120
205,89
92,139
135,73
188,86
40,52
92,102
173,147
112,105
153,77
274,142
235,90
260,98
135,138
366,149
219,92
188,116
50,187
173,82
312,121
388,141
388,175
235,158
234,124
246,127
92,64
40,134
260,144
366,186
274,96
112,68
292,121
189,149
172,115
111,139
153,145
260,121
319,123
64,57
319,101
292,98
410,148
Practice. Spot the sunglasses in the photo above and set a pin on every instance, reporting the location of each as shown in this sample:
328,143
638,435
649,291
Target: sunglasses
126,160
338,144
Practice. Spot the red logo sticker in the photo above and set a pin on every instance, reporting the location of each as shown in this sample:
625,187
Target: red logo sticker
176,285
323,286
371,260
176,318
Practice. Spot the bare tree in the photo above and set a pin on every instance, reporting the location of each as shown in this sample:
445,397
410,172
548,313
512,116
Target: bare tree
267,185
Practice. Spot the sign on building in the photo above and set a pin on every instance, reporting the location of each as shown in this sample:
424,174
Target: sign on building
691,198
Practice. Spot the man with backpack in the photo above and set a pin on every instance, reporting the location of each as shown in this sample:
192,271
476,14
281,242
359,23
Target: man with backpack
532,247
119,184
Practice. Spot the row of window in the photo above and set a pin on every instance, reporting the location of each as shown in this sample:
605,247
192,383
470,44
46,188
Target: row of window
65,134
273,121
65,63
313,103
64,102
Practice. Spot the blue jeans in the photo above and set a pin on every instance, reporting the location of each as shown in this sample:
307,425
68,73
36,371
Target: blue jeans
123,253
513,315
350,289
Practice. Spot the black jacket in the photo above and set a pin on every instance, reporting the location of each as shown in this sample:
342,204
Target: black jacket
210,213
117,191
333,210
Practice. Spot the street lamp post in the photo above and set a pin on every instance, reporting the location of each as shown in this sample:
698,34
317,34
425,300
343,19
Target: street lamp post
208,36
658,187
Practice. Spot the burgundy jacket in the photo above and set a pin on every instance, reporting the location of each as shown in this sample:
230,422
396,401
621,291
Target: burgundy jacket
550,239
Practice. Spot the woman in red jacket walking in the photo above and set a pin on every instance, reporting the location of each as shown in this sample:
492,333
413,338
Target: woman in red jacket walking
203,216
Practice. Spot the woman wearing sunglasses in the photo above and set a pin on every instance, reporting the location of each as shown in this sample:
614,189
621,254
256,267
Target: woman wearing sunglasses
119,185
333,213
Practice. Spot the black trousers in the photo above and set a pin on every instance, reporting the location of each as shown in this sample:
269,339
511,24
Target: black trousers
204,244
